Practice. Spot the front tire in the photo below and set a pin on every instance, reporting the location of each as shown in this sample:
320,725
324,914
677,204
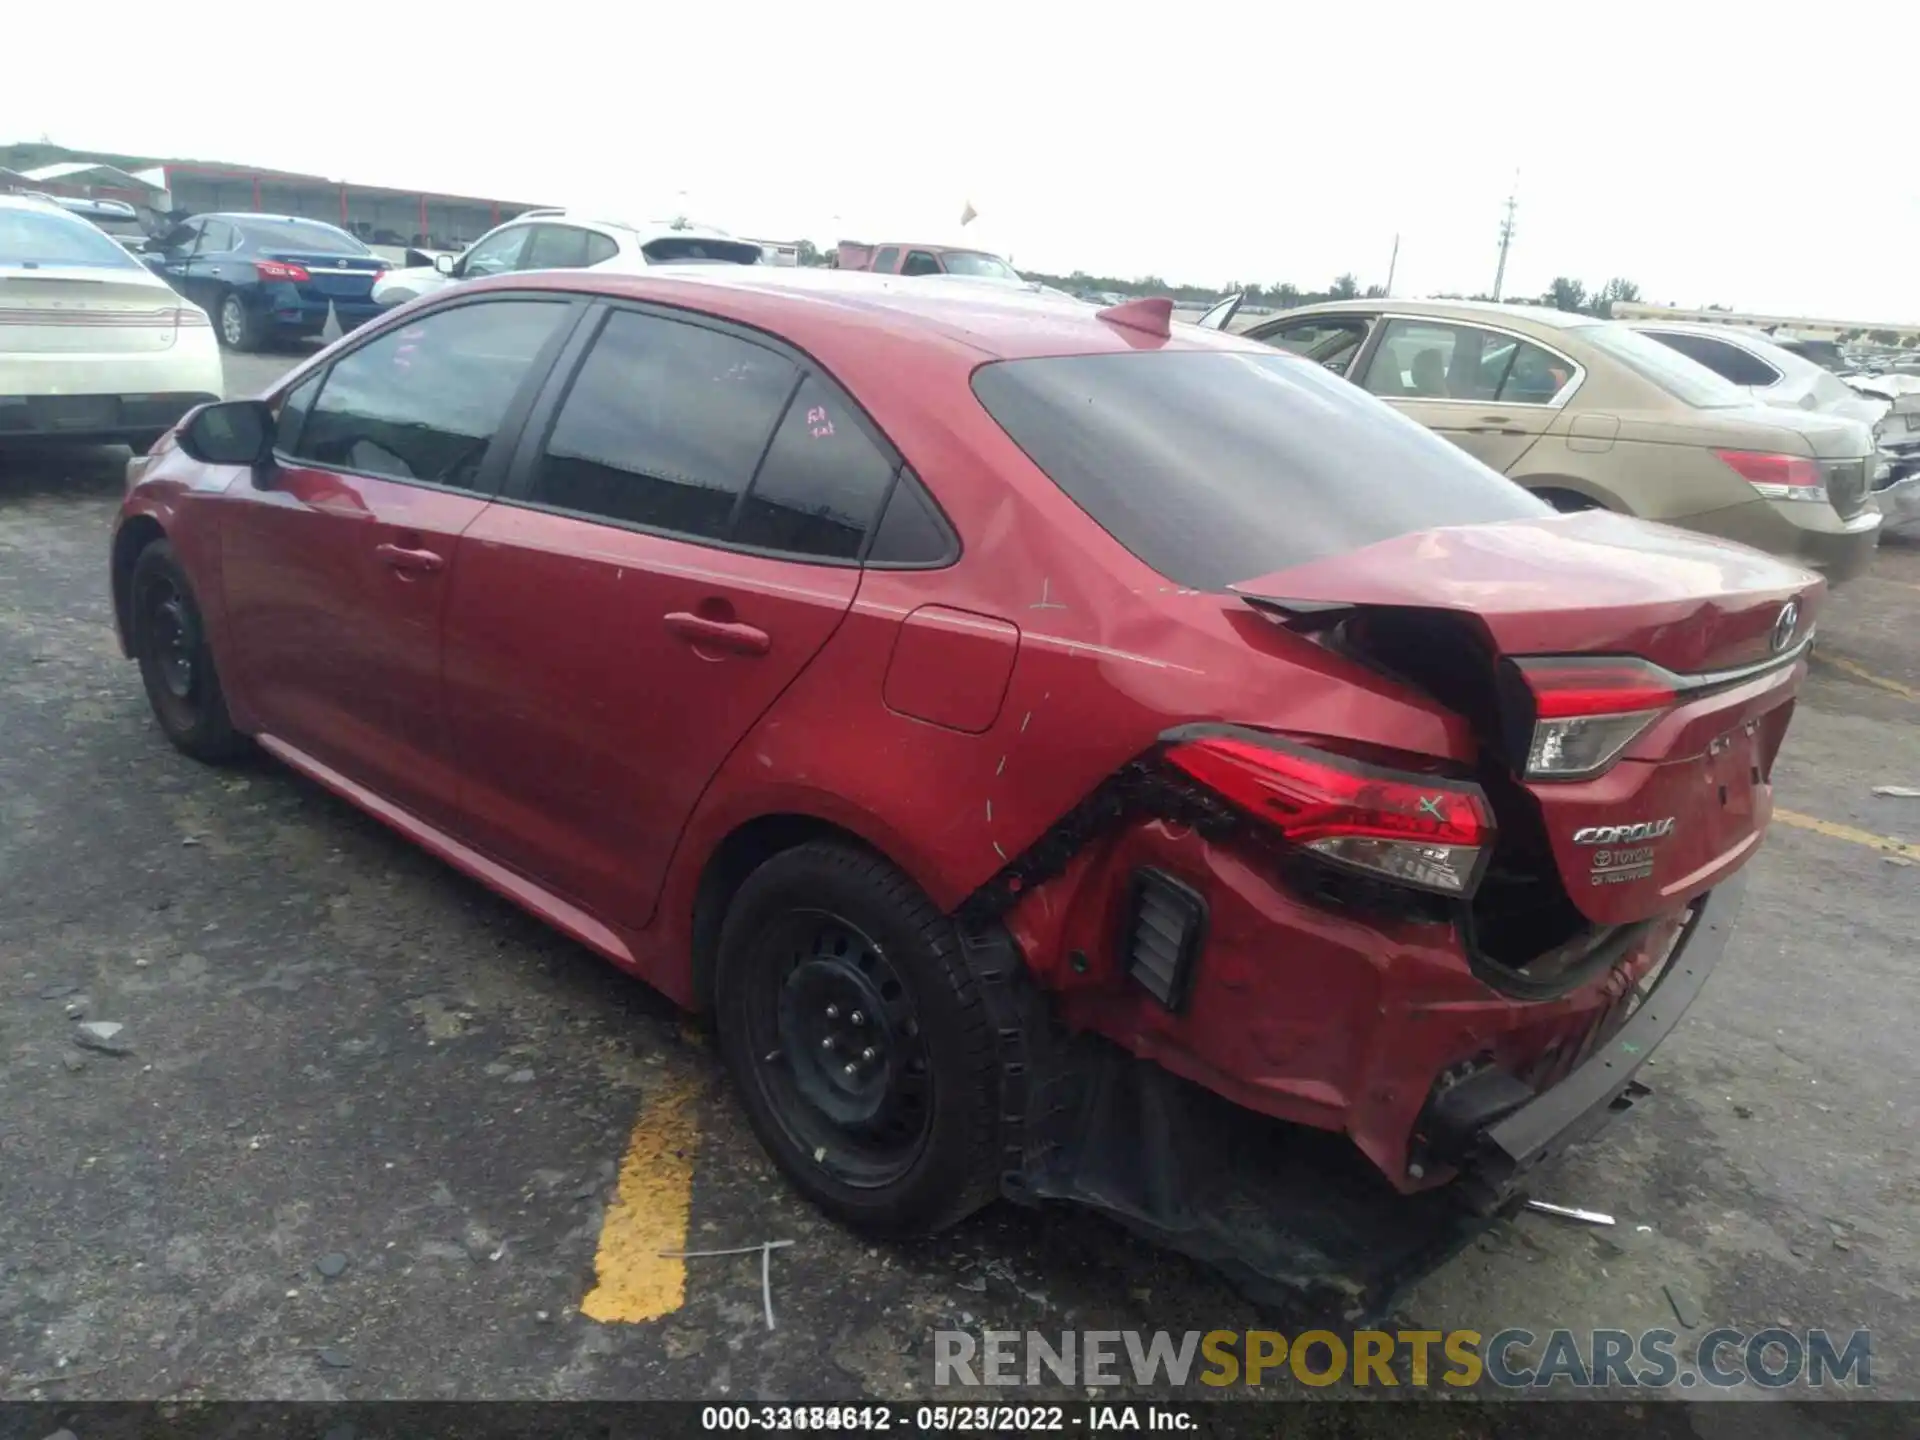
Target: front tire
859,1041
238,327
176,663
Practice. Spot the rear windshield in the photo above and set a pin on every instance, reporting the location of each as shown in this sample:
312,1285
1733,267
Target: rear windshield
1217,467
1688,381
671,249
309,235
31,238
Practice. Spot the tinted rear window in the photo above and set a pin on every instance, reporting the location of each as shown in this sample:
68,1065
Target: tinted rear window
1216,467
309,235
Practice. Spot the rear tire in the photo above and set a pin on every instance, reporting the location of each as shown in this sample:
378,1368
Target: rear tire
176,663
238,327
859,1041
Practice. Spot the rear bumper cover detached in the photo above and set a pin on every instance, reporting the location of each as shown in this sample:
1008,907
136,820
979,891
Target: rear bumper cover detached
1290,1213
1604,1085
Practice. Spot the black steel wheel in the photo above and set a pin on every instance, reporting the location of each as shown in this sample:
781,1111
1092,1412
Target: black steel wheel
176,663
858,1040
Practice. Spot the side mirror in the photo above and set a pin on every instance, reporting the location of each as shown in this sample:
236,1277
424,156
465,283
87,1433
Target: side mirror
444,264
233,432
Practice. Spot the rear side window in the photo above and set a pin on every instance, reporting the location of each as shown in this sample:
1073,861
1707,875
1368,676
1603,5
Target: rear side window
663,426
886,258
1216,467
422,402
821,484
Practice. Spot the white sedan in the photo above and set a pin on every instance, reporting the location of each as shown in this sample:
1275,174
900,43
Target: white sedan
93,345
557,240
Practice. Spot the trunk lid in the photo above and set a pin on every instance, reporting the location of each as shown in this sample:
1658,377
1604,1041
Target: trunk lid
88,310
1685,801
335,276
1586,583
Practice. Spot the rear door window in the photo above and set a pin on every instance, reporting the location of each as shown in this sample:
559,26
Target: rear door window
422,402
887,258
920,262
821,484
663,426
1434,360
1214,468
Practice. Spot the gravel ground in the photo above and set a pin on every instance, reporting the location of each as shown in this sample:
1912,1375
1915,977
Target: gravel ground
372,1120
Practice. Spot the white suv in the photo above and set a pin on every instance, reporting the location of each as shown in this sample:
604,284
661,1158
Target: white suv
558,240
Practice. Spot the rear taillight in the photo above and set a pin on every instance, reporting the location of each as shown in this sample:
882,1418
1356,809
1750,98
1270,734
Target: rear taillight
282,270
1412,829
187,317
1586,710
1778,477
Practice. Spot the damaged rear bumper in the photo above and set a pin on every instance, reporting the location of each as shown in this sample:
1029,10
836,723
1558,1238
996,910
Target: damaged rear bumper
1293,1214
1605,1085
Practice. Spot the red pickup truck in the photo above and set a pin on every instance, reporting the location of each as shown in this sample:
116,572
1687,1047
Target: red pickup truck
899,258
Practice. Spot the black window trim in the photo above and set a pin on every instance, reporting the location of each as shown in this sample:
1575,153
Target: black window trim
494,465
544,414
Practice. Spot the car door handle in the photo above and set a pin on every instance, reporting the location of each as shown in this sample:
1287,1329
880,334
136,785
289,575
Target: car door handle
399,557
1495,425
722,634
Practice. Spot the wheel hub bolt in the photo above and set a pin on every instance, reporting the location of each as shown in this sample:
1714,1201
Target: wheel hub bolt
867,1054
826,1042
851,1069
858,1018
833,1012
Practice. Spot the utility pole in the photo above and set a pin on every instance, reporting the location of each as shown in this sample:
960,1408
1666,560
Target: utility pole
1506,236
1392,265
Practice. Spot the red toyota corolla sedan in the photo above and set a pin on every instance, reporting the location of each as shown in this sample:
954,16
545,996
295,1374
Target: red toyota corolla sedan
975,699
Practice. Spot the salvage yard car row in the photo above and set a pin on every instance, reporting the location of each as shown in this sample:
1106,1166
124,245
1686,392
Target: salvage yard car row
921,674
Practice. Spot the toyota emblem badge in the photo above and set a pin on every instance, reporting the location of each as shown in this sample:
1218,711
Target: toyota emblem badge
1785,624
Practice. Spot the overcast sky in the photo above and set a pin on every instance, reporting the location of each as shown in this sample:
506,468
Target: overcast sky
1764,159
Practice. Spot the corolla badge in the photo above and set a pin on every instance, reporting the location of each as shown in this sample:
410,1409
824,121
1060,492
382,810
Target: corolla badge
1645,831
1784,624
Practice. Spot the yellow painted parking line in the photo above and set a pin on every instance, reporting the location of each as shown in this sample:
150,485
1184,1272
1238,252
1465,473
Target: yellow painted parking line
633,1281
1847,833
1861,673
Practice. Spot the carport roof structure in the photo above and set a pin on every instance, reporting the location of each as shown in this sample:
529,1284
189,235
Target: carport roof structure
136,177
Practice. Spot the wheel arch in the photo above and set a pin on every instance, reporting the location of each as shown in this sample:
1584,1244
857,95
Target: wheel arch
132,538
741,851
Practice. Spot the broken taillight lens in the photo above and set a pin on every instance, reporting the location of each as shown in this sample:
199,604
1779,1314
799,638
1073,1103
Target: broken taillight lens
1586,710
1412,829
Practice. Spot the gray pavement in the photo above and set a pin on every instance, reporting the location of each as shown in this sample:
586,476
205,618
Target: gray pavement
340,1048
